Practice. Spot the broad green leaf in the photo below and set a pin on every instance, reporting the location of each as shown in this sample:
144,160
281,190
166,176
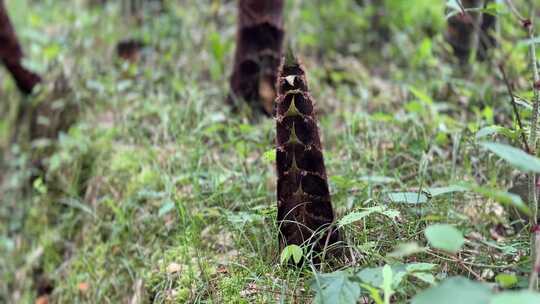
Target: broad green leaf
336,287
506,280
520,297
407,197
293,251
375,277
453,291
444,237
516,157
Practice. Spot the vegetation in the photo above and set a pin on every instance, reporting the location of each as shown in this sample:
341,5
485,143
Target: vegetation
159,192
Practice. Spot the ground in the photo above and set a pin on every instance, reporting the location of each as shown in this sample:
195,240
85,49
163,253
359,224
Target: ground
160,192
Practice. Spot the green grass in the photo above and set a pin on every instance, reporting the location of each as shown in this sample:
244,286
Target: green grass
161,192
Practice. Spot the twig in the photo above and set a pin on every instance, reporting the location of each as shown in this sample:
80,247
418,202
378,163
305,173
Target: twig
515,11
453,259
514,106
469,269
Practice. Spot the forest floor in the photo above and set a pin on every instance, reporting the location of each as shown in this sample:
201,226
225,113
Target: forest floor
160,192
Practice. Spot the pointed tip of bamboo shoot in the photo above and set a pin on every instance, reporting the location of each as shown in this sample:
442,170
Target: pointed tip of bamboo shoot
290,59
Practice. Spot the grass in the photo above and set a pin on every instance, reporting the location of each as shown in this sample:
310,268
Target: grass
160,193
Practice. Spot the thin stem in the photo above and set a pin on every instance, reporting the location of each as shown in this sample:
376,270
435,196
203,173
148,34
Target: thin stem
514,106
514,10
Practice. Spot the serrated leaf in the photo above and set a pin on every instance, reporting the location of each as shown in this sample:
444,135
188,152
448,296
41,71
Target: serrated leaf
515,157
444,237
336,287
455,290
293,251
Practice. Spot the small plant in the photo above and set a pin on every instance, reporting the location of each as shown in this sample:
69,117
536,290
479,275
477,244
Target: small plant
304,208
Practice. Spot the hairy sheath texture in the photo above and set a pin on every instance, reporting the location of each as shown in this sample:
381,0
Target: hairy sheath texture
258,53
11,54
461,28
304,206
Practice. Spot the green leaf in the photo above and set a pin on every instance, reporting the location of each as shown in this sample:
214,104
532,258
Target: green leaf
359,215
506,280
455,290
387,283
516,157
407,197
269,156
521,297
444,237
336,287
416,267
373,293
424,276
375,276
421,95
293,251
490,130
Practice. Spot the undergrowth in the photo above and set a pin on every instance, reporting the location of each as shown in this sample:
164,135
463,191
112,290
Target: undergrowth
161,193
